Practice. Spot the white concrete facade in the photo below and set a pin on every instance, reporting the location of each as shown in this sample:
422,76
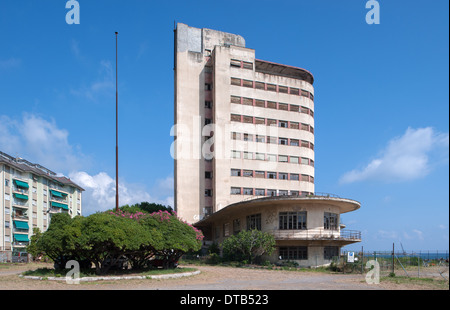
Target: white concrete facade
29,195
258,117
244,149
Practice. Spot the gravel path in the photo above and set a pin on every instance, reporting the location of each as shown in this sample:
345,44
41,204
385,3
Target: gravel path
210,278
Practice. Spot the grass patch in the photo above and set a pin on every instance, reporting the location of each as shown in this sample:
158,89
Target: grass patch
429,283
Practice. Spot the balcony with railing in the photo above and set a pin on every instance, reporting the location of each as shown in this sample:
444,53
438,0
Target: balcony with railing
347,236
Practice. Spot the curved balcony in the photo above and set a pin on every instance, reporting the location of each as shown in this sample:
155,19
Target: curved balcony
337,236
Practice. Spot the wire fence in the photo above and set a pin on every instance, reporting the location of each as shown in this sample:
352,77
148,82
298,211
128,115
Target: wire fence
425,264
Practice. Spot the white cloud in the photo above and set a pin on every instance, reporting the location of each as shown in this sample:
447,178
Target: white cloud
10,63
41,141
103,84
404,158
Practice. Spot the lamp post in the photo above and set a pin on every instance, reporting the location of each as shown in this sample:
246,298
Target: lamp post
117,140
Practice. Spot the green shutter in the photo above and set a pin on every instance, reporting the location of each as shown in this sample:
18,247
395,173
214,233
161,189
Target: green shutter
21,196
21,225
21,184
59,205
56,194
21,238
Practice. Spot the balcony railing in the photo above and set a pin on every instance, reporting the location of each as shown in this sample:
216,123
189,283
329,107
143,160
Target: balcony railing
317,234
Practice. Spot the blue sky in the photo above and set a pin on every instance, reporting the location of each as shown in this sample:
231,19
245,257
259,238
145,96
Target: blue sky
381,99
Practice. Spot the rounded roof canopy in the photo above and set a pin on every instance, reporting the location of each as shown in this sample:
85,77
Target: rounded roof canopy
344,204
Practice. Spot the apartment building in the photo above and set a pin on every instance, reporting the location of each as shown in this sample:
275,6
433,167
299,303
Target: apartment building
29,195
244,141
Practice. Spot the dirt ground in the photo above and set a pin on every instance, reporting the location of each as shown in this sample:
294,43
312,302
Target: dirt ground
210,278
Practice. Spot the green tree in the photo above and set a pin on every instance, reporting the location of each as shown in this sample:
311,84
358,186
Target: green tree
59,241
248,245
175,237
107,238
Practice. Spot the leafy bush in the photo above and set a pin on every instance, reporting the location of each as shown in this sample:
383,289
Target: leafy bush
248,245
106,239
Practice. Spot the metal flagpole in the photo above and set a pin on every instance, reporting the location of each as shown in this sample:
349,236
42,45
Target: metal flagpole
117,140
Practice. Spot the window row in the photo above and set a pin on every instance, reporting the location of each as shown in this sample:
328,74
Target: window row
265,192
273,158
296,220
271,175
270,122
271,105
301,252
241,64
273,140
272,87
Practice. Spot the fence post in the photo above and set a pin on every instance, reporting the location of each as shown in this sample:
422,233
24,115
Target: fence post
393,261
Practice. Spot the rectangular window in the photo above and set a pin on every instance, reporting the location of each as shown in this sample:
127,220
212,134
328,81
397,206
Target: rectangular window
248,191
235,81
271,192
330,221
293,253
235,191
330,251
248,119
247,101
294,125
272,140
208,104
260,120
235,136
271,104
235,172
235,63
271,122
292,220
282,89
294,91
260,138
271,175
282,192
235,118
248,173
236,226
305,93
208,192
248,155
304,161
294,142
254,222
226,229
259,192
282,176
248,137
283,106
208,174
282,158
208,86
271,157
293,108
260,156
235,154
293,159
283,141
283,124
260,103
235,99
294,177
259,85
247,65
271,87
260,174
247,83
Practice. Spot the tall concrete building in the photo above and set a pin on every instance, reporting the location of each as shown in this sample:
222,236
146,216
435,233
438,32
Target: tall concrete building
29,195
244,135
